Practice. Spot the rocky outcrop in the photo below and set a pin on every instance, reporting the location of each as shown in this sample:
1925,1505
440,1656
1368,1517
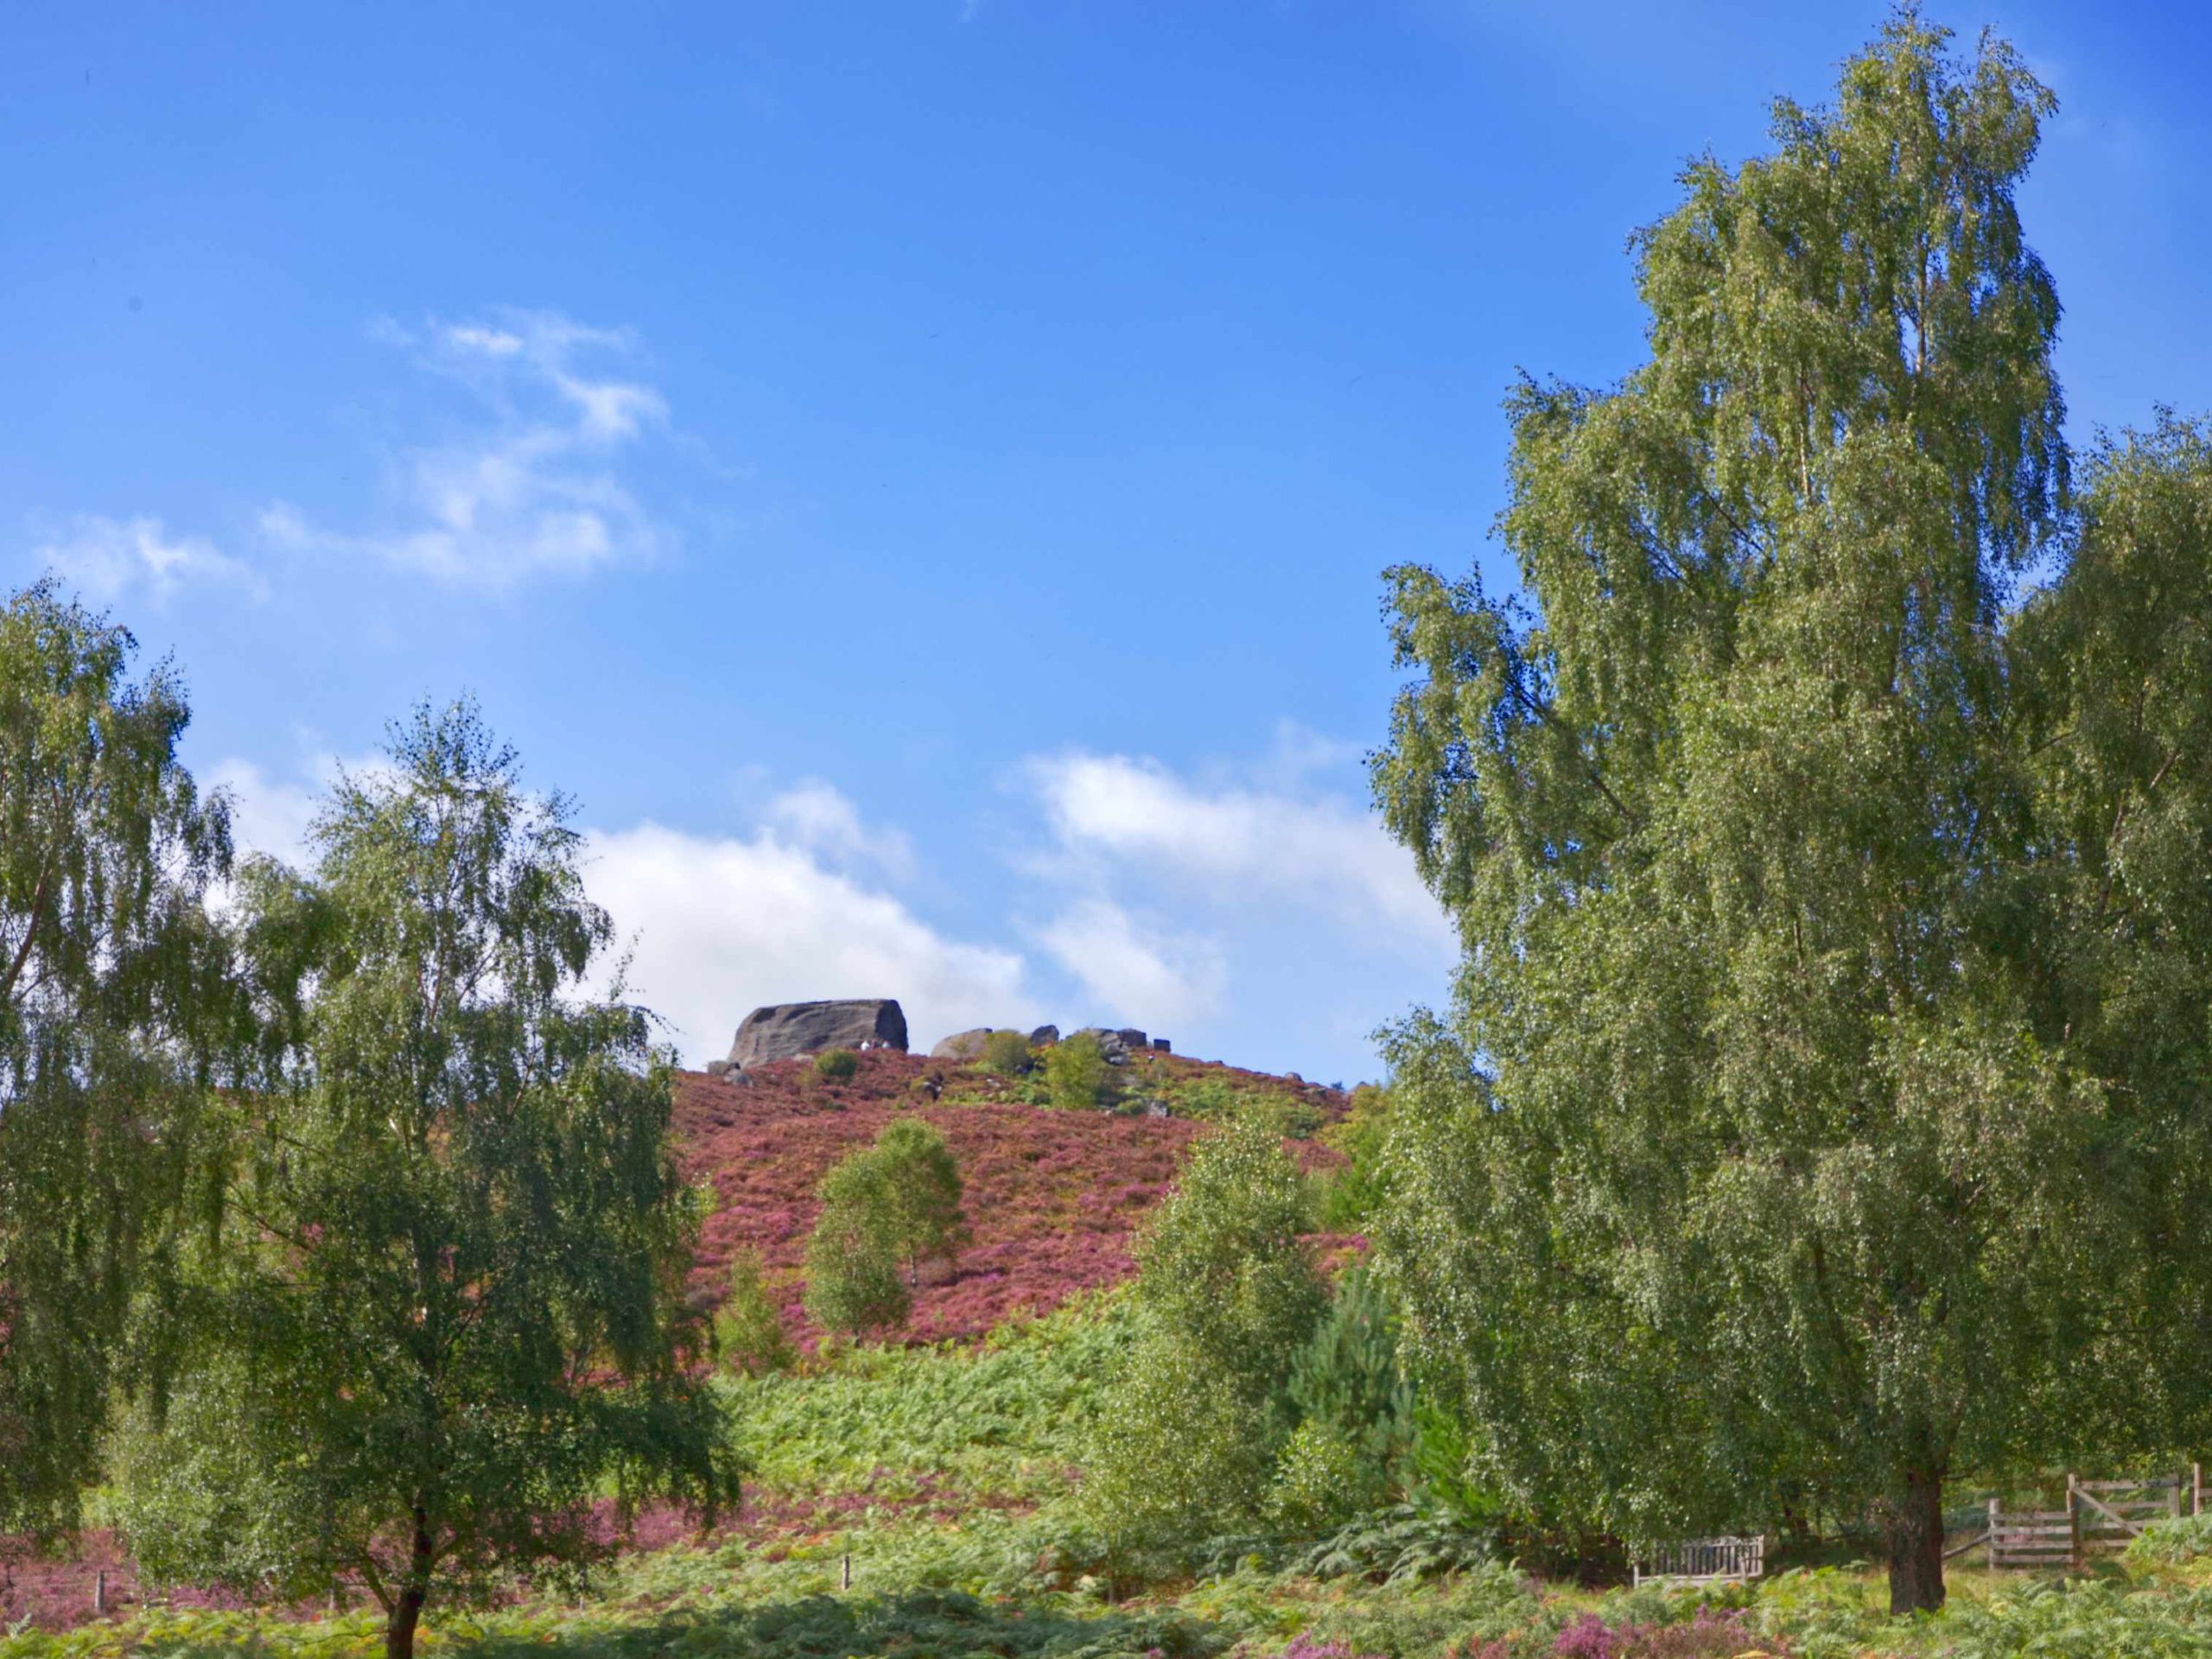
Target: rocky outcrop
1118,1046
962,1044
787,1030
1044,1036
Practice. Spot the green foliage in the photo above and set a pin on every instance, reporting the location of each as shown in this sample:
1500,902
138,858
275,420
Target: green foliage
1004,1422
836,1064
1836,951
853,1285
446,1307
1077,1076
1404,1545
113,1013
2173,1542
749,1326
1228,1296
1358,1191
924,1180
1347,1380
199,1502
1320,1479
895,1203
1006,1054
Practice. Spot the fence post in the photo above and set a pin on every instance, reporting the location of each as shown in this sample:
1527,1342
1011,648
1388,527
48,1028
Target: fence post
2196,1489
100,1590
2074,1520
848,1570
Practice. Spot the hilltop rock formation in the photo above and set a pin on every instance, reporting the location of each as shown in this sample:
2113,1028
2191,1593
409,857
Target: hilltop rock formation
1118,1046
962,1044
787,1030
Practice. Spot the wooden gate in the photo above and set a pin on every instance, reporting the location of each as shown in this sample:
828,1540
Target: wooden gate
2110,1512
2100,1518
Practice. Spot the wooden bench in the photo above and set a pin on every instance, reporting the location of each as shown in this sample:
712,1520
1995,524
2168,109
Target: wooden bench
1703,1561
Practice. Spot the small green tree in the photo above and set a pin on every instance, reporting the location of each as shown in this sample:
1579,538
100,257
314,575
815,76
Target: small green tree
924,1180
836,1064
1006,1054
854,1286
448,1305
896,1201
749,1327
1077,1075
1228,1294
1357,1192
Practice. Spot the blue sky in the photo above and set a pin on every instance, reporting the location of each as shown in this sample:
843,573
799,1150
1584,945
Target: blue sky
917,473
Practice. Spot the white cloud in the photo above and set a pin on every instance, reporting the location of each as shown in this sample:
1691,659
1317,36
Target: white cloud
1236,845
1149,975
537,488
107,558
268,814
819,817
723,925
718,926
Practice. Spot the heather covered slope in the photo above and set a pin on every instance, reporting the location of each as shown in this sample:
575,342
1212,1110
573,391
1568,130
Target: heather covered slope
1054,1197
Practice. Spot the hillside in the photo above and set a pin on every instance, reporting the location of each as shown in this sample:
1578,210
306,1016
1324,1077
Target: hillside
1054,1197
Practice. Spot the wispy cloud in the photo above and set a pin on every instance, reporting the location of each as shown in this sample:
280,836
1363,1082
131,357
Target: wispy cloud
107,559
1234,844
535,485
1137,969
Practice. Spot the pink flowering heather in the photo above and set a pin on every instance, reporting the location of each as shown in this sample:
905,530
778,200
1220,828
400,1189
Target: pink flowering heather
1054,1197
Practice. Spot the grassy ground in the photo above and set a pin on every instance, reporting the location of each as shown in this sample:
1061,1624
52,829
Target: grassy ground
943,1476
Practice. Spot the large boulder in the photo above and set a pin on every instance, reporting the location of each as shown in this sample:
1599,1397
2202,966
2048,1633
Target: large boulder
962,1044
788,1030
1044,1036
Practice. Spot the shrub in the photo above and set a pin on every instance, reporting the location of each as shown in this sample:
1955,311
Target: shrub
1006,1054
836,1064
891,1204
749,1327
853,1282
924,1184
1228,1296
1077,1076
1320,1480
1358,1190
2172,1542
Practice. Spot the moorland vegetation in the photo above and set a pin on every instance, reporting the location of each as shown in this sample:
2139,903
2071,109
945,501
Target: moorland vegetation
1815,1143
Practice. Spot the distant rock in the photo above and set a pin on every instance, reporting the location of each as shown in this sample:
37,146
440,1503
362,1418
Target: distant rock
962,1044
729,1073
1163,1045
1044,1035
1131,1038
785,1031
1110,1044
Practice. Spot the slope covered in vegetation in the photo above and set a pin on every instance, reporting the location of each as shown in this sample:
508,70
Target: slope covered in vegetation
1053,1196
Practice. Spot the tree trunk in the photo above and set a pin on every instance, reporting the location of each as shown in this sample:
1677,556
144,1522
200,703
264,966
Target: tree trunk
1915,1539
414,1591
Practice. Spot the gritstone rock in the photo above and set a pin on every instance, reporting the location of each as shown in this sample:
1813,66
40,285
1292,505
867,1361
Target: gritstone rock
962,1044
1110,1046
787,1030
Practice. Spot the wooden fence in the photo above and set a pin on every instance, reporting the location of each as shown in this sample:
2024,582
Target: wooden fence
1703,1561
2100,1518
